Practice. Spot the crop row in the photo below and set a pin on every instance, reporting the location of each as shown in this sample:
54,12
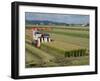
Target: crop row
64,53
75,53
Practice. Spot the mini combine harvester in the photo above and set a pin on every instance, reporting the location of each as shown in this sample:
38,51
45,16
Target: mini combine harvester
40,37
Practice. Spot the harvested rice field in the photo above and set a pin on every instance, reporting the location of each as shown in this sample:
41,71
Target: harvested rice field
69,46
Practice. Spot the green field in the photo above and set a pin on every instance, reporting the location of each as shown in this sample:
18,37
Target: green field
69,48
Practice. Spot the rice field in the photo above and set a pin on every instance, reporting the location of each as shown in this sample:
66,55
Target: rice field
70,47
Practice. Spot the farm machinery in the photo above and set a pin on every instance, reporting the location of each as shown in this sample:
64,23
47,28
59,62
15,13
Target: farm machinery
40,37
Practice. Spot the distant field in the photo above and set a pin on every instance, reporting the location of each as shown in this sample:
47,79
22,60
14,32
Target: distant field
61,27
67,40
